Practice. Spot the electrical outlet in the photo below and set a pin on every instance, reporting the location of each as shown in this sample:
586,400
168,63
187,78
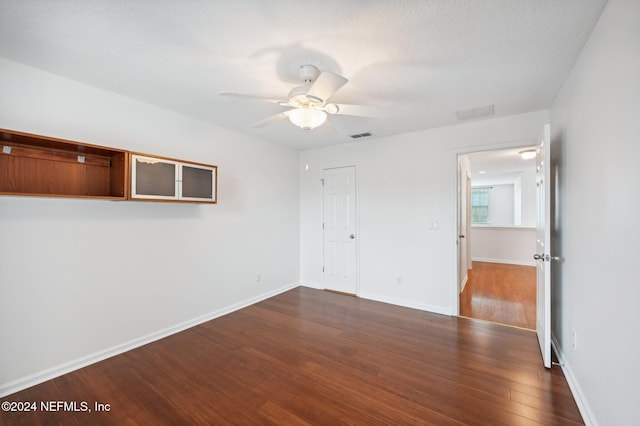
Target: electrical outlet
574,344
399,279
259,277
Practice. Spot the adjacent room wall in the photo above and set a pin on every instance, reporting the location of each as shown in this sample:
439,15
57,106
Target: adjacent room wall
82,279
528,198
595,149
404,184
501,201
503,244
505,239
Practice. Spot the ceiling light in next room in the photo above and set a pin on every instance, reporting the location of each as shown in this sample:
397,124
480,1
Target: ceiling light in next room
528,154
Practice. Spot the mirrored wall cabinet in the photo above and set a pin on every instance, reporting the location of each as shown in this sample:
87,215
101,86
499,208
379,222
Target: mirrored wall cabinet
165,179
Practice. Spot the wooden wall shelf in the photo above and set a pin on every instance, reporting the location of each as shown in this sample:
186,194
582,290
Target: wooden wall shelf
43,166
50,167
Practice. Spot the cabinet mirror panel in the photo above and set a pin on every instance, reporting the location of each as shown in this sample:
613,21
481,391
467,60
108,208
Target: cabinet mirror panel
154,178
197,182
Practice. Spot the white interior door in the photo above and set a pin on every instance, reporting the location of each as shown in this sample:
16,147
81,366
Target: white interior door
464,197
543,244
462,261
339,229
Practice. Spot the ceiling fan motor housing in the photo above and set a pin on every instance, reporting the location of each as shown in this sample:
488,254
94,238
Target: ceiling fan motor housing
298,97
308,73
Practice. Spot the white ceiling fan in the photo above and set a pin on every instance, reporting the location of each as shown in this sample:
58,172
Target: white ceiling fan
308,103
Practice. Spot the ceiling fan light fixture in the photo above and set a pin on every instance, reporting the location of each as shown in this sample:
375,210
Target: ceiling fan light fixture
306,118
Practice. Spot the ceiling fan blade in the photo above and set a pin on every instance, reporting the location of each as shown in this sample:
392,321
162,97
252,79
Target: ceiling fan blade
252,97
361,111
339,125
325,86
270,120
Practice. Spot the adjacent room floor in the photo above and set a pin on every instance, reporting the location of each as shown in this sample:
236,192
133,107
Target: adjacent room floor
315,357
501,293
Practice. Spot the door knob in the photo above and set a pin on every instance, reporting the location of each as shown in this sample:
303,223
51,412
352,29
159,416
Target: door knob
352,236
460,236
545,257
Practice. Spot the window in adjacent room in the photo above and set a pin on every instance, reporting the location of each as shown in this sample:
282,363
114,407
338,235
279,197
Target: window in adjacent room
480,205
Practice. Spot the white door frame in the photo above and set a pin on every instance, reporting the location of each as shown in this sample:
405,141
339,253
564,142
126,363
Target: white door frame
456,153
357,226
464,227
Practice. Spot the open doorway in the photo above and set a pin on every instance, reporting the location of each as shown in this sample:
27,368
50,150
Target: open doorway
497,236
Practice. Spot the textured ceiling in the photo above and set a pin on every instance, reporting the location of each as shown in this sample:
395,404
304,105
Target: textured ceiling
419,61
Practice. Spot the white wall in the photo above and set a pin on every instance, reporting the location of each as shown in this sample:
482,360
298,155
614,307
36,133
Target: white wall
503,244
596,145
517,200
81,279
501,201
403,184
524,199
528,198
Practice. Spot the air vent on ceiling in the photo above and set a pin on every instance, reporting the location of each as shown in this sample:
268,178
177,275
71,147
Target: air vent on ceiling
478,112
361,135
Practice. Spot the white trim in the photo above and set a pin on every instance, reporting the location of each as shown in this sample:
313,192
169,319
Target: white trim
585,410
51,373
464,282
508,262
503,227
407,303
310,284
391,300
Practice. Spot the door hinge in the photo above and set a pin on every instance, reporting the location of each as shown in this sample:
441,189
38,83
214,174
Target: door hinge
322,180
323,269
322,225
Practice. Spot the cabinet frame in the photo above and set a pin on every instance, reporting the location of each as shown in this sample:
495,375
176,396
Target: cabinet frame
179,165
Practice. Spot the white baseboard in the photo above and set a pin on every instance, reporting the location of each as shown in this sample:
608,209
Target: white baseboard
585,410
312,285
508,262
59,370
464,282
391,300
406,303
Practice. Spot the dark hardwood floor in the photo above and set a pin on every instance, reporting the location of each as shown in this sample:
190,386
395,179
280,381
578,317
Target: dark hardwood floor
315,357
501,293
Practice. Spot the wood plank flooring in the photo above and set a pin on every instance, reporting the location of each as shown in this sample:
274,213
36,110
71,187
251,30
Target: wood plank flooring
311,357
501,293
